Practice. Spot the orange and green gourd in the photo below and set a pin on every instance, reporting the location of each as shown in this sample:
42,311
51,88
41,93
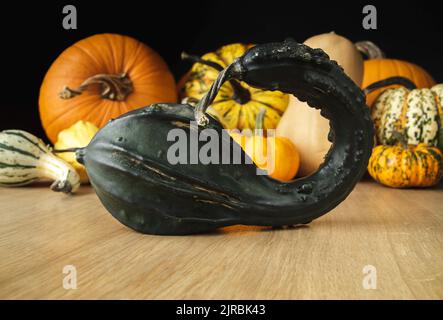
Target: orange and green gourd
403,166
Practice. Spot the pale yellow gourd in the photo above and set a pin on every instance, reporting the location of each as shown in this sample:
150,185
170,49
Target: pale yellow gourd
77,136
303,125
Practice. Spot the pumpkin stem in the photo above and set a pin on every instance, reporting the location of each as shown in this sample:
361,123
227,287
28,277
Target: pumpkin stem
241,95
405,82
114,87
370,50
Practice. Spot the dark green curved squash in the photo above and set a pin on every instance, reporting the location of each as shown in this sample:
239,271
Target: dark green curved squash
128,167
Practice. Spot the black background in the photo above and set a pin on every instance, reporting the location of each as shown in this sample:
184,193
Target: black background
33,36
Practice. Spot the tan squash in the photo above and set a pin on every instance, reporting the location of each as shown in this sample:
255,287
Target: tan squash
303,125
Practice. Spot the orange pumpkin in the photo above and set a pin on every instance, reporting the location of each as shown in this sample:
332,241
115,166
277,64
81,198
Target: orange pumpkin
100,78
377,68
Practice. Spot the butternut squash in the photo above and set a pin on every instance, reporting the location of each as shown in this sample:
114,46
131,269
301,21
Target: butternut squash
304,126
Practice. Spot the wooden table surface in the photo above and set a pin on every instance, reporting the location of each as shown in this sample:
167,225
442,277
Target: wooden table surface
398,232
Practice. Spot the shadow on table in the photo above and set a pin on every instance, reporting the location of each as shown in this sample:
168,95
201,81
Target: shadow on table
83,190
248,230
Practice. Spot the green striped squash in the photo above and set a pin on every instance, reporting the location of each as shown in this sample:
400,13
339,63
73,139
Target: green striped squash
416,114
24,159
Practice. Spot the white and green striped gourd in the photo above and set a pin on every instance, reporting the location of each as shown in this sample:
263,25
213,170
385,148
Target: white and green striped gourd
24,159
417,114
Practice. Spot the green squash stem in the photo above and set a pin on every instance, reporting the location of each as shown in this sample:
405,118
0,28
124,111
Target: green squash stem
259,119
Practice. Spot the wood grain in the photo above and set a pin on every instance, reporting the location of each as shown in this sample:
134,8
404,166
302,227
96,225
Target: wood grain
400,232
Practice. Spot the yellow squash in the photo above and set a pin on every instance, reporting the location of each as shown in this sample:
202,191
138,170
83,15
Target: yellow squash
237,104
406,166
77,136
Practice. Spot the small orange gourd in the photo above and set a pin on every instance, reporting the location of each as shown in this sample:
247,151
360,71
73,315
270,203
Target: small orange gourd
277,155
